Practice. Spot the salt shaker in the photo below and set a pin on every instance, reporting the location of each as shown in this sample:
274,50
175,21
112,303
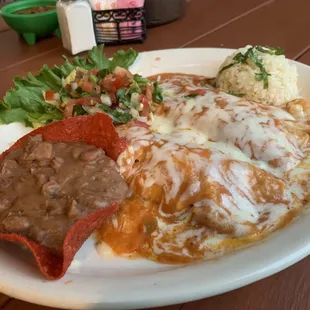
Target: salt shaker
76,25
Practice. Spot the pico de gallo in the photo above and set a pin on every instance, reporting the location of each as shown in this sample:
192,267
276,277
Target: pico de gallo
84,86
120,94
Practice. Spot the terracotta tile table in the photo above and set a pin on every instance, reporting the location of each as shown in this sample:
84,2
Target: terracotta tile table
207,23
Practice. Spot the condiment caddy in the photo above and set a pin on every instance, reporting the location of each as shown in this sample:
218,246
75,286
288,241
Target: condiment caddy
84,23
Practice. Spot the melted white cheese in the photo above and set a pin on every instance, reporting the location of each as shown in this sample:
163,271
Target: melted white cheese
237,208
254,130
245,135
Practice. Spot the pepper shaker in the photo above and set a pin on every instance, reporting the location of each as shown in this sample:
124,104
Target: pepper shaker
76,25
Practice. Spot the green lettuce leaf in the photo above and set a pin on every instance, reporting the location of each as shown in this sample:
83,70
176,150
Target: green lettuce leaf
123,59
84,63
49,79
98,58
8,116
25,102
65,69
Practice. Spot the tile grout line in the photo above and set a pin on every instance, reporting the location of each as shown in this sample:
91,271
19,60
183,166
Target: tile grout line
304,51
29,59
228,22
4,30
6,303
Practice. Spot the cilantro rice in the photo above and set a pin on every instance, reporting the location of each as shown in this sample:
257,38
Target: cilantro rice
261,74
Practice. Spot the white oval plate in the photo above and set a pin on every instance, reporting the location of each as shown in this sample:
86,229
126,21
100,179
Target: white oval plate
93,282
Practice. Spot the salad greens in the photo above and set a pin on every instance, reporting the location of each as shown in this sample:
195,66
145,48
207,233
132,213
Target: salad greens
27,101
122,59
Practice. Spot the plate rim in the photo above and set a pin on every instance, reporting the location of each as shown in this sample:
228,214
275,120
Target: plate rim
299,250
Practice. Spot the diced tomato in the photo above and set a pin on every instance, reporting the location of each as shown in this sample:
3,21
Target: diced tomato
140,124
87,87
118,82
49,95
113,98
68,87
146,106
108,83
112,83
87,101
124,75
68,111
149,92
200,92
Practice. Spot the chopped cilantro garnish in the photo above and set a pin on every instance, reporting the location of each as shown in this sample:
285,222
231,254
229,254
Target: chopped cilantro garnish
79,110
253,55
235,93
190,96
157,95
270,50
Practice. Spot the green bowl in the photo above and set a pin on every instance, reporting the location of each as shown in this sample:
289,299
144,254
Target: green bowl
31,26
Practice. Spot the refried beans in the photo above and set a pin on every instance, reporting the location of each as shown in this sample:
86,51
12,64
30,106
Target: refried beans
46,187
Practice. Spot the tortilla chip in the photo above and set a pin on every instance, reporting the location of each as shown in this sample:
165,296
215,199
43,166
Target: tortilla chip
97,130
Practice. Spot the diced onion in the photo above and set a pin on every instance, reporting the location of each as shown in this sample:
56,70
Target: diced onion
105,99
134,112
134,99
94,110
57,96
74,86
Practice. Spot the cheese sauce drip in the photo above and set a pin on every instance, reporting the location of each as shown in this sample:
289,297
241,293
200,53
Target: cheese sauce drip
212,172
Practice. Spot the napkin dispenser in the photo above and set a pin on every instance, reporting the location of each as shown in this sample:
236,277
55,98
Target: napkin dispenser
118,22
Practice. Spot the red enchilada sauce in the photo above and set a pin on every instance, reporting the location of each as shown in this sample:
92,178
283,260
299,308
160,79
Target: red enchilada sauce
148,215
